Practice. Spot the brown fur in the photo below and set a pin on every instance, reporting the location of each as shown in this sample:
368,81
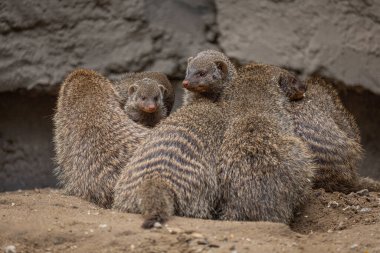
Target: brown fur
93,136
174,170
265,170
207,75
293,88
333,137
145,103
122,86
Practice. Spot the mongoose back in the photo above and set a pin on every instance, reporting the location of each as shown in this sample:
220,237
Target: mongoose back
93,136
265,169
207,75
145,102
174,170
332,136
122,86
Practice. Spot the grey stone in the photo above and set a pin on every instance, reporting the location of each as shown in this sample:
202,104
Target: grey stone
42,41
339,39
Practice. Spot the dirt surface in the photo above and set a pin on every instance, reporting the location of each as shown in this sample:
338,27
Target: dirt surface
47,221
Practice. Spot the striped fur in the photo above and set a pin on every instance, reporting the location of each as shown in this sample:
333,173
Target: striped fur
265,169
174,170
93,136
333,137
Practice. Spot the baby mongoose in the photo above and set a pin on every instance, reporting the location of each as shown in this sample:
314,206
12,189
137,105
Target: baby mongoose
207,75
265,169
145,103
174,172
129,79
94,138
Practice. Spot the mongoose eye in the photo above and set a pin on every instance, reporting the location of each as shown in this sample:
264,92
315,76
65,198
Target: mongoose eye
143,98
155,98
202,73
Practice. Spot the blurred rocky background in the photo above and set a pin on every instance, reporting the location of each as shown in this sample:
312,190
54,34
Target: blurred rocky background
42,41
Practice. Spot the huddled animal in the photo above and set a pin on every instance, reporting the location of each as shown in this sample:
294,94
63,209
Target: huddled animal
147,97
265,170
94,138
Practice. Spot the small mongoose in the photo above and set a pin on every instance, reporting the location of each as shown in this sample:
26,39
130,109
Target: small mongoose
174,172
207,75
333,138
128,79
94,138
265,169
145,103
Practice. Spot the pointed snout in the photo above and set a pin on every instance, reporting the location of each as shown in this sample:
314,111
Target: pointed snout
186,83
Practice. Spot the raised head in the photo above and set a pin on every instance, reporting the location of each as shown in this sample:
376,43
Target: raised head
208,72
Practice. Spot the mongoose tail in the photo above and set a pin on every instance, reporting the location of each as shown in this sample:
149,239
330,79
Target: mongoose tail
157,203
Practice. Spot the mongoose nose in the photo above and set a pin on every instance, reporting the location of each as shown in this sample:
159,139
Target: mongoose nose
151,108
185,83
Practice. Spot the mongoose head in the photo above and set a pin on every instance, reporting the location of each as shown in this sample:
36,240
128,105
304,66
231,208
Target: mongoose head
208,72
146,94
293,87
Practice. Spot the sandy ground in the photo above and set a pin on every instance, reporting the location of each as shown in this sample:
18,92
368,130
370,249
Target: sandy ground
47,221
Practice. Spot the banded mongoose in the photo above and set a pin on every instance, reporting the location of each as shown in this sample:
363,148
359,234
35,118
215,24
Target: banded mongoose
265,169
207,75
122,86
93,136
174,172
333,137
145,102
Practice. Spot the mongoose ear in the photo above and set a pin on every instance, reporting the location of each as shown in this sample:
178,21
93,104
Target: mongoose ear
132,89
162,89
222,66
189,59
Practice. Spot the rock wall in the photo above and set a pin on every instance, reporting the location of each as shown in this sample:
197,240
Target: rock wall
336,38
42,41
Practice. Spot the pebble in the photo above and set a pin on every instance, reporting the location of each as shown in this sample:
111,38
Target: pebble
10,249
103,225
197,235
332,204
341,226
363,192
174,230
157,225
354,246
365,210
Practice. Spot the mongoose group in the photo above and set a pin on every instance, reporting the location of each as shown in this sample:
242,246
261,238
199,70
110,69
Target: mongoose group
248,144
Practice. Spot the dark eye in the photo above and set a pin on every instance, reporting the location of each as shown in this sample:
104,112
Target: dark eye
202,73
143,98
155,98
